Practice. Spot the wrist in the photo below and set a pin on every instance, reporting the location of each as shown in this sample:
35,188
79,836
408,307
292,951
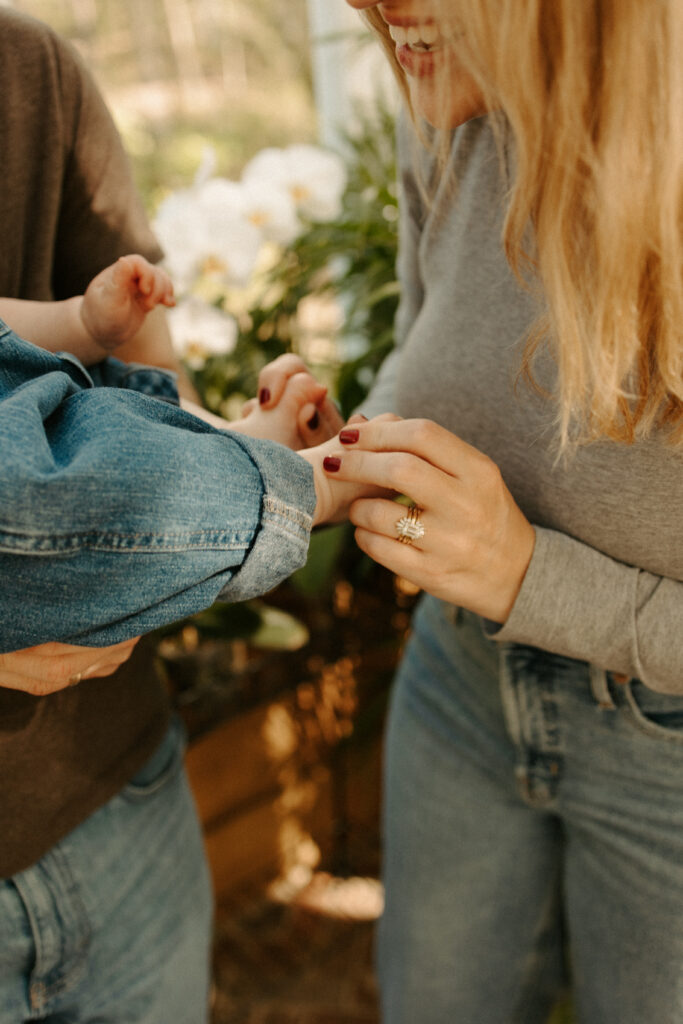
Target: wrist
320,483
89,349
210,417
522,550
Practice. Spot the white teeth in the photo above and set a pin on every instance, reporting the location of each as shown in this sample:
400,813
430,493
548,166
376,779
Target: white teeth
422,37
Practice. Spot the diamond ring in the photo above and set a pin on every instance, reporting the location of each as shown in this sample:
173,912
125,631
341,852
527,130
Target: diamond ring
410,527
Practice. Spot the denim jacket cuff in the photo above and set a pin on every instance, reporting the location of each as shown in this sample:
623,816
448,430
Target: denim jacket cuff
281,543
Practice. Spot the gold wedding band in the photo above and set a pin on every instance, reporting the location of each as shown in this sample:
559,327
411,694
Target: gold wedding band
75,678
410,527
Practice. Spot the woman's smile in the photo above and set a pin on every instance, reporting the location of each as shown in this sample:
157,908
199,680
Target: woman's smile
416,47
426,38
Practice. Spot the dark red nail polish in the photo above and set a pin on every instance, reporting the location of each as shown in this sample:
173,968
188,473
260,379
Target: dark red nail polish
331,463
314,422
264,395
349,435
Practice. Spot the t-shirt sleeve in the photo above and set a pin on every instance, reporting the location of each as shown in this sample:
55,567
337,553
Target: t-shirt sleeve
101,215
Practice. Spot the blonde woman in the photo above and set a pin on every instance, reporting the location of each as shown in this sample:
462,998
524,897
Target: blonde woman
534,775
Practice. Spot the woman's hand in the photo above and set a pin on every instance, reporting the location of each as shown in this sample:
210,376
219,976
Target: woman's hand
476,545
53,666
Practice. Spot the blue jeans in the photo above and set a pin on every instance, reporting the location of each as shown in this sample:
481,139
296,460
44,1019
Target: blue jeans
114,925
533,824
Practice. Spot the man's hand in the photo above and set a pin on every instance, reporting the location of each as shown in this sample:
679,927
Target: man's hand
53,666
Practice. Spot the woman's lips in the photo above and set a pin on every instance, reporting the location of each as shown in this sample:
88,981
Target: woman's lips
417,64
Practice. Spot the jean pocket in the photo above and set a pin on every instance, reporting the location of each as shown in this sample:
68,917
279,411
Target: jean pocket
161,767
657,714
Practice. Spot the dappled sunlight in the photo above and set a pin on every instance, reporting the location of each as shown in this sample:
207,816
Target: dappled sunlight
353,899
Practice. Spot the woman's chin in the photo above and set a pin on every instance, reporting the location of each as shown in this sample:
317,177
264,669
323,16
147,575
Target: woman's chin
443,109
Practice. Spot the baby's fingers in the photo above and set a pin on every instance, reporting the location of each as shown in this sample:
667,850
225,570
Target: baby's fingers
331,419
319,422
154,287
273,378
158,289
132,268
312,427
301,389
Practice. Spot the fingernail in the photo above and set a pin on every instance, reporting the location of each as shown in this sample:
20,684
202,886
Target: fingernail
348,435
314,422
264,395
331,463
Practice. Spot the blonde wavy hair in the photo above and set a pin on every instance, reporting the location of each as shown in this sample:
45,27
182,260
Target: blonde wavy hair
593,93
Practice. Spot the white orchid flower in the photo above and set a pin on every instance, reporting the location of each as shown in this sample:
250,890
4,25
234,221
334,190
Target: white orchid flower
231,242
199,331
315,178
272,210
181,235
206,230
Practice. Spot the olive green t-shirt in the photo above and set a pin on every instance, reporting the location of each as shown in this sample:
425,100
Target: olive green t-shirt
68,208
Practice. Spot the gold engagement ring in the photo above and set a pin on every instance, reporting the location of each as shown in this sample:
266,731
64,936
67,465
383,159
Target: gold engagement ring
410,527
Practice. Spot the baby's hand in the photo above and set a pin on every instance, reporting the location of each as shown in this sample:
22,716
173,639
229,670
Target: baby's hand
302,418
333,496
117,301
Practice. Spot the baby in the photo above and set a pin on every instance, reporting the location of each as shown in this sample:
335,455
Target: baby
92,326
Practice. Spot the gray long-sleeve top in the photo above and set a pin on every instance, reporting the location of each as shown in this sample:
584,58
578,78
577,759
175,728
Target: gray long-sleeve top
605,583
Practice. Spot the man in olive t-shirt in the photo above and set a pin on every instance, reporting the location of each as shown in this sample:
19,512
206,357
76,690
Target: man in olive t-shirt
68,208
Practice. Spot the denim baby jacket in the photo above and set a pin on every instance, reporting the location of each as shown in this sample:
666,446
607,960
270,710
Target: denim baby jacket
120,513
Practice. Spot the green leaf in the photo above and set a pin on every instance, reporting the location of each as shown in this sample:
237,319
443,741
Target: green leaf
278,630
324,550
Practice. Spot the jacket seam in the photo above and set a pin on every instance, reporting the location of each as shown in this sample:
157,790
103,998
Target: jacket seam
122,541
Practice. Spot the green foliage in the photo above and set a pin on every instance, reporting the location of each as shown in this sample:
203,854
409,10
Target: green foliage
323,554
221,621
166,152
351,258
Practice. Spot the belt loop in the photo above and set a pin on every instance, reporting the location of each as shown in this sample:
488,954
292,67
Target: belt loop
600,688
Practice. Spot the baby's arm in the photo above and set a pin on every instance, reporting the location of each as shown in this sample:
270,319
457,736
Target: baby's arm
90,326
